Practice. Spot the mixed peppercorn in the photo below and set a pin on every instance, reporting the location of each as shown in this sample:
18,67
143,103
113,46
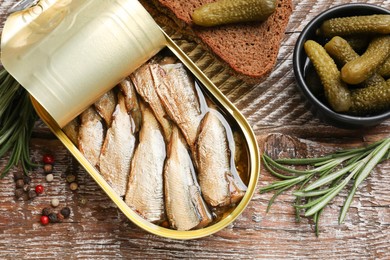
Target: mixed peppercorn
23,187
52,217
25,191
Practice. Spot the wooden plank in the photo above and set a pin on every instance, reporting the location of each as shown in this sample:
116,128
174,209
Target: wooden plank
282,123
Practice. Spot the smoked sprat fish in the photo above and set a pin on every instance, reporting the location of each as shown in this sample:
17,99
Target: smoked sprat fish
105,106
144,84
118,149
184,204
131,101
162,146
72,130
91,135
177,92
145,193
220,185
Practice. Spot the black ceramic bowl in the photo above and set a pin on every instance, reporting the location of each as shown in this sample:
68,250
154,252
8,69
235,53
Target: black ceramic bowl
302,69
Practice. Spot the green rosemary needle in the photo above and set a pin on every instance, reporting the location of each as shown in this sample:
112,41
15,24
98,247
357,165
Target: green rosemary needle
325,177
17,119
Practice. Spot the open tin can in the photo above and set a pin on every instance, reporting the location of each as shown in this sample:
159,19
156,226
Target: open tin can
68,54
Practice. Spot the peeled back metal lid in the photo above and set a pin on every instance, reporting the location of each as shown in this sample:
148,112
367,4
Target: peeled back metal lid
67,53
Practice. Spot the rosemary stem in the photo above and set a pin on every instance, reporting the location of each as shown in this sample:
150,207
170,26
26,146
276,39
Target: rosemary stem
325,177
374,158
17,118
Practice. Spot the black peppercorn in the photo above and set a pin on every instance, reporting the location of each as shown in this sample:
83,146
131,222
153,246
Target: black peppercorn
19,183
19,193
18,176
26,187
70,178
27,179
65,212
48,168
46,212
60,217
53,218
32,194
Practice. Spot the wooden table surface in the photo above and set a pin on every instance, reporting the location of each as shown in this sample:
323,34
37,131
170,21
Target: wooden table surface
281,121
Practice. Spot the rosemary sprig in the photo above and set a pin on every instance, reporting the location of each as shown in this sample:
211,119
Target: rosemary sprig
17,119
325,178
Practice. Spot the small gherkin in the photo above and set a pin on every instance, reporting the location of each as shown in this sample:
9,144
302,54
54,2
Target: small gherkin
336,91
233,11
358,70
374,94
371,99
345,26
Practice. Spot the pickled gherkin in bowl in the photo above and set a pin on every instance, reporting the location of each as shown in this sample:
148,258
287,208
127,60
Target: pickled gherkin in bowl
341,62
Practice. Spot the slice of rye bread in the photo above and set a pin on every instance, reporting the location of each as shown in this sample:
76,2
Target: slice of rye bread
249,49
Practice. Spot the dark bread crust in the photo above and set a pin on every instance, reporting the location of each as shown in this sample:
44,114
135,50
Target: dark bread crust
249,49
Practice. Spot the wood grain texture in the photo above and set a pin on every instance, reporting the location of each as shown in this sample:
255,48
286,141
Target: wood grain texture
283,125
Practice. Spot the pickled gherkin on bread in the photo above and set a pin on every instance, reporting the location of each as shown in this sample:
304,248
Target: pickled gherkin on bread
248,50
233,11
